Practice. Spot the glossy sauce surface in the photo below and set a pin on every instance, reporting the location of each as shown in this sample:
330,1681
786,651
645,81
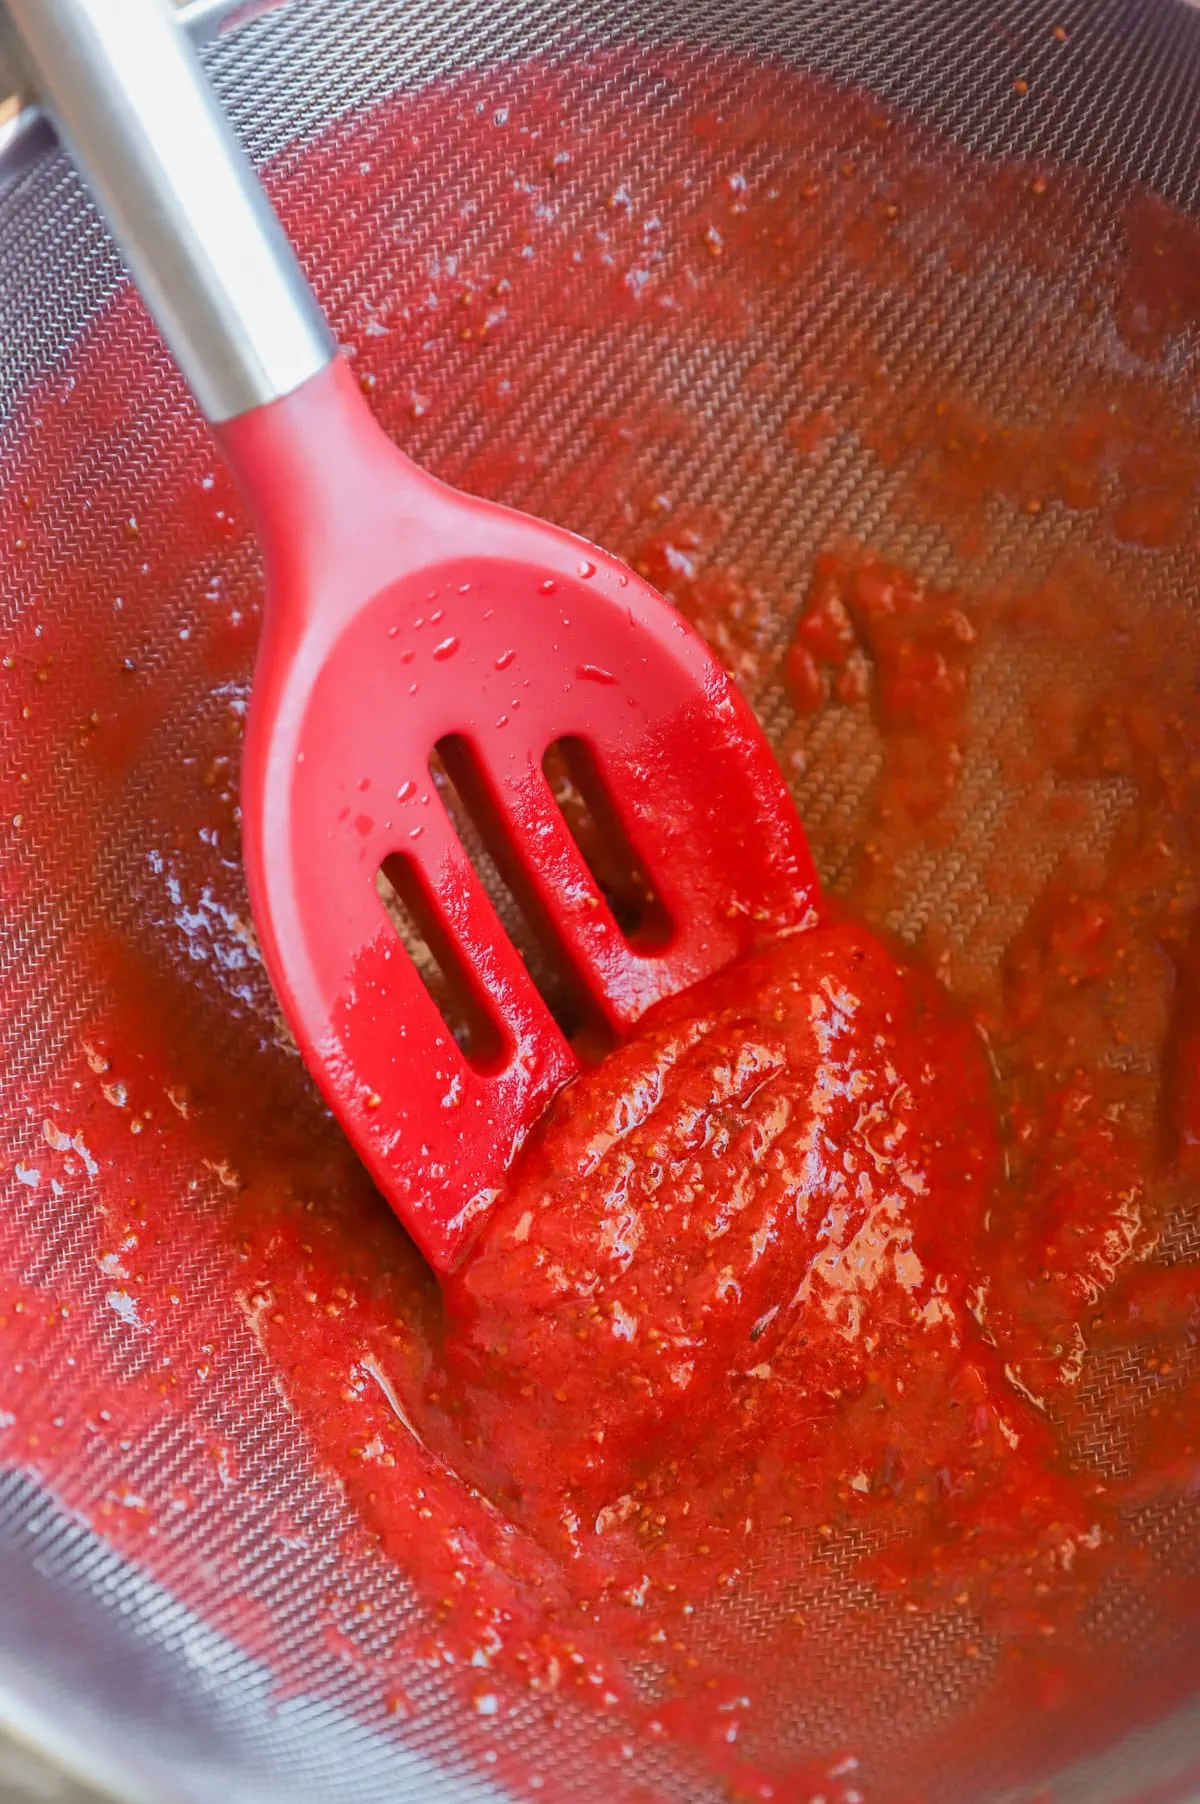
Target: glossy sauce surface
839,1327
719,1233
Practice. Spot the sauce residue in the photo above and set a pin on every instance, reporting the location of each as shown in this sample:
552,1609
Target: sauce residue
820,1389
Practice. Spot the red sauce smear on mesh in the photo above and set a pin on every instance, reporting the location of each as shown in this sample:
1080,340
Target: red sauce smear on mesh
776,1371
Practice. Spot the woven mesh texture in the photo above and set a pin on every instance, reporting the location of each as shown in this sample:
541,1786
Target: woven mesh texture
132,1684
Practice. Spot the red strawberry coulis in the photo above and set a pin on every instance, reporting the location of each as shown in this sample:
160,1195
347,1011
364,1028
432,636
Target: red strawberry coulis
840,1324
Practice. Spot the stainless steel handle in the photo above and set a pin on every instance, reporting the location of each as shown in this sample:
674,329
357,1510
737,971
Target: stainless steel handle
132,105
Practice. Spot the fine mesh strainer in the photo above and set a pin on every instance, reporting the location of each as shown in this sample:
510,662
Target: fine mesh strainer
110,1667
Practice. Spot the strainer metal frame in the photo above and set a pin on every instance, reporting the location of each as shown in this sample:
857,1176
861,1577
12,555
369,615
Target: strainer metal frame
136,1691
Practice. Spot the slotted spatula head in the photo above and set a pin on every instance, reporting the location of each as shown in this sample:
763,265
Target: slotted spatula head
404,617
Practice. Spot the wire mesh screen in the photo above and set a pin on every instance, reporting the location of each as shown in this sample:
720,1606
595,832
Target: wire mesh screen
953,338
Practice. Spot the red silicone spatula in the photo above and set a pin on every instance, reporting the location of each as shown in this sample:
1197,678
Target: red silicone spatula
403,617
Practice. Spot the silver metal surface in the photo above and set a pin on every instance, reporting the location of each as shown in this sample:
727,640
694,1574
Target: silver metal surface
130,101
25,1778
105,1669
25,131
